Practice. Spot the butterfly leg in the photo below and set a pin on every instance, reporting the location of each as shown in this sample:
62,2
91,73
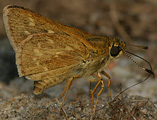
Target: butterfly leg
90,90
100,91
94,91
63,91
109,83
90,94
67,88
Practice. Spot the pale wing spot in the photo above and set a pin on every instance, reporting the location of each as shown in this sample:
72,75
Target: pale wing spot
68,48
37,52
34,59
57,54
27,33
31,23
28,38
37,63
51,41
50,31
45,68
30,15
76,46
31,19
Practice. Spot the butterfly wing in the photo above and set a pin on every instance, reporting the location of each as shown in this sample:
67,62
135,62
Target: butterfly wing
20,23
43,52
49,59
46,51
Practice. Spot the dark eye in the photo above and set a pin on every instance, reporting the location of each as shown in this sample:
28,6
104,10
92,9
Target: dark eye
115,51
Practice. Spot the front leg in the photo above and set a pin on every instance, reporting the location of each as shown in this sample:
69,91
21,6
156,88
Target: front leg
109,82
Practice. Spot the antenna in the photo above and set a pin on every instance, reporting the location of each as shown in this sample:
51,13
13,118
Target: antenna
145,69
142,47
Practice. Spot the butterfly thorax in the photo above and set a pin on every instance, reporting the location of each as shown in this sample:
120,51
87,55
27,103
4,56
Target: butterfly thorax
99,60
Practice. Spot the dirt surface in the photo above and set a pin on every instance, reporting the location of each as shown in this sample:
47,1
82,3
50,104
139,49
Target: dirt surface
134,21
43,108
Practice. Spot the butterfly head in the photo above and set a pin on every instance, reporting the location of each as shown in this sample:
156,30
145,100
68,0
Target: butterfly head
117,48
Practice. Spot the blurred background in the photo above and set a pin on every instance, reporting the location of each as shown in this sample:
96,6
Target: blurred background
133,21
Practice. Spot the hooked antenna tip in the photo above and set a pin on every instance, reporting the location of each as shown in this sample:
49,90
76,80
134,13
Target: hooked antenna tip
150,71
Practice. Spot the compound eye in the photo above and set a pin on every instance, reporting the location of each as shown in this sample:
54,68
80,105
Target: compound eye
115,51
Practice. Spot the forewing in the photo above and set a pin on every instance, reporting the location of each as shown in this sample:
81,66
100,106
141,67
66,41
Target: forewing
21,22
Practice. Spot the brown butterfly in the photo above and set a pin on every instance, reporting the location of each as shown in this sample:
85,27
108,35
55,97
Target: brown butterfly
49,52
